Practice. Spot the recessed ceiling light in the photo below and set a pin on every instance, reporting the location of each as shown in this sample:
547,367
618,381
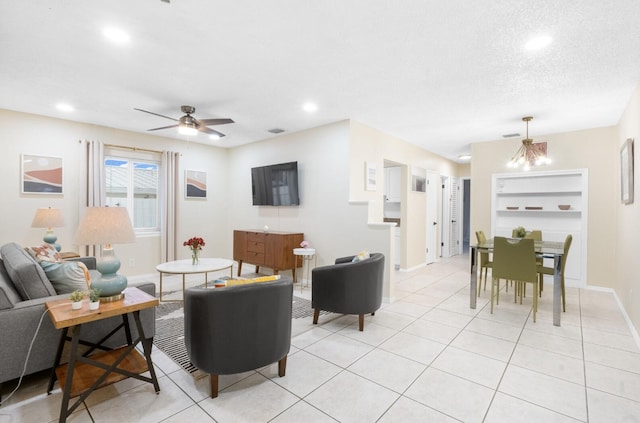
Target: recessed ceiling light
309,107
465,157
116,35
63,107
539,42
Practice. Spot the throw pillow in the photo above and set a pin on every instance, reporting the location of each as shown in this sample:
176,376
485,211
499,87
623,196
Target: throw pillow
67,276
45,252
25,273
362,255
233,282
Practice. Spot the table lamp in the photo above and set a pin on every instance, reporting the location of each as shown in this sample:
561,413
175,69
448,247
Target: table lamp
106,226
49,218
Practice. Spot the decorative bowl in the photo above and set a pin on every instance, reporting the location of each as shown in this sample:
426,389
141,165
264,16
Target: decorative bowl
564,206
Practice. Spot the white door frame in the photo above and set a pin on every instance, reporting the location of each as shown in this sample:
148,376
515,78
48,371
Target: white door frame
445,213
432,224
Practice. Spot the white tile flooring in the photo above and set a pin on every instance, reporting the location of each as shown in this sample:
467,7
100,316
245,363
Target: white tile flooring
427,357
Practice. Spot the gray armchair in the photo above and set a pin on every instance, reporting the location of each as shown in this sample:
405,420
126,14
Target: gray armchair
347,287
238,328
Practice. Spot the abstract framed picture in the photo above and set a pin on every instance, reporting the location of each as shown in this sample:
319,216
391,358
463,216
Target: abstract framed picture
195,184
370,176
41,174
626,172
418,179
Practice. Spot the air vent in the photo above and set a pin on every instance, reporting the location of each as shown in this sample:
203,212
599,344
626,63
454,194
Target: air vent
276,131
511,135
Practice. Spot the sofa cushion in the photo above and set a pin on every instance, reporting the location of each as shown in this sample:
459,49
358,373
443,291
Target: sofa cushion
67,277
25,273
8,294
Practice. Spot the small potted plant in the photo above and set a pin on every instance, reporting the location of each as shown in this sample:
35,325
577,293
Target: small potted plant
519,232
76,299
94,298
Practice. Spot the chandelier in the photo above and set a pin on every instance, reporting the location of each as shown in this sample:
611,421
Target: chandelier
529,154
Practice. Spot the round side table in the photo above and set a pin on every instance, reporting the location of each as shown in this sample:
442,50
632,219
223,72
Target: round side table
307,254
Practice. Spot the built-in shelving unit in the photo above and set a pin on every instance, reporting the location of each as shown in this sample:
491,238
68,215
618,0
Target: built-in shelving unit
532,200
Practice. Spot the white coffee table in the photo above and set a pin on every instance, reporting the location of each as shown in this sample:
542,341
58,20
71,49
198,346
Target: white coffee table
185,267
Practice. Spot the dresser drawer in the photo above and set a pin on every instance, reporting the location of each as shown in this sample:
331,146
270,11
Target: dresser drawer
255,258
255,237
255,247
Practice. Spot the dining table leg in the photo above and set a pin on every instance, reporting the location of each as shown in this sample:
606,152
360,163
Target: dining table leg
473,288
557,289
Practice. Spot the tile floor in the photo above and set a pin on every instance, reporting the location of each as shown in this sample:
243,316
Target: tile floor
427,357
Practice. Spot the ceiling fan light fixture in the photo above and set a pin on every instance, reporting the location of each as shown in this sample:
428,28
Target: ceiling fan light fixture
187,129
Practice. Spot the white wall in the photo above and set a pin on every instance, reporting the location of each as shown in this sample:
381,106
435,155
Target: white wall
628,222
371,145
591,149
331,223
33,134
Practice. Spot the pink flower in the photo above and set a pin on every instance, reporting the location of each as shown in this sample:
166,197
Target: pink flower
304,244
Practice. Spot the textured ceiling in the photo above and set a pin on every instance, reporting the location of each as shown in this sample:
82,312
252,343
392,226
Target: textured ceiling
440,74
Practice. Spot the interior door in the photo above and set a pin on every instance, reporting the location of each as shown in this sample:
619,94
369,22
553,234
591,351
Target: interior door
454,211
433,192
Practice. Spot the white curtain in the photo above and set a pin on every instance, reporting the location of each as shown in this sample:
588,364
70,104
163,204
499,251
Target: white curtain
168,186
94,183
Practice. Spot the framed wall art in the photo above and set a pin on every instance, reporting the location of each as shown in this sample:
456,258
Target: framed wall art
41,174
371,176
195,184
626,172
418,179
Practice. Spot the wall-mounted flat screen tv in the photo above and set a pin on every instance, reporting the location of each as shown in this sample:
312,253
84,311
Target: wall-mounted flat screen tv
275,185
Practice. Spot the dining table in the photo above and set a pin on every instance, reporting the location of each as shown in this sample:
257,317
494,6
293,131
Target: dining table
545,249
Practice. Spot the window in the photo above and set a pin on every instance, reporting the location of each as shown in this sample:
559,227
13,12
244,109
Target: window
132,182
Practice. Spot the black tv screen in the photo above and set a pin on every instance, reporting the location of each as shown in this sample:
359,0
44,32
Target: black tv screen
275,185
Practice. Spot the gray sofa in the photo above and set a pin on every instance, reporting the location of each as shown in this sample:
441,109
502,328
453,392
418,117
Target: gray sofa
24,288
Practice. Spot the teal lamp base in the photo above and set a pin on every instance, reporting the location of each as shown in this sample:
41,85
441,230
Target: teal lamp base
110,283
51,238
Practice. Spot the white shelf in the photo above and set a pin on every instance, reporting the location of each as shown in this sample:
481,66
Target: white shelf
533,193
540,211
547,190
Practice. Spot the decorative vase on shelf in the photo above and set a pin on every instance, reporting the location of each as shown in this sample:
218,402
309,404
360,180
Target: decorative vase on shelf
195,256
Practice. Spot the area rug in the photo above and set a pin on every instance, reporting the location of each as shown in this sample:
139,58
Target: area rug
169,336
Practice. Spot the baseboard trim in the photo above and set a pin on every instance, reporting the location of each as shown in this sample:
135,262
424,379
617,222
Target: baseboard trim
632,328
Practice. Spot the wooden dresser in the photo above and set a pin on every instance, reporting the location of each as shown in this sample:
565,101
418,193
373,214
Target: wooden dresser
269,249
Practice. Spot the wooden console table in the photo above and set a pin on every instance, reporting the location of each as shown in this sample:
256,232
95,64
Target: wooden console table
83,374
268,249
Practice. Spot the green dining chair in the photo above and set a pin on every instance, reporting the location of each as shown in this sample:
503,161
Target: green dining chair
549,270
514,259
485,261
535,235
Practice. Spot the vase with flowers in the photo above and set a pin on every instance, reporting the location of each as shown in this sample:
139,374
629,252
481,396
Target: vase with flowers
195,244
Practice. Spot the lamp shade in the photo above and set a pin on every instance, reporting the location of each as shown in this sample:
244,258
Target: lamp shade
46,217
105,225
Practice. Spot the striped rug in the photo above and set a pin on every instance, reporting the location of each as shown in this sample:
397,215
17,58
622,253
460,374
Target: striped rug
169,336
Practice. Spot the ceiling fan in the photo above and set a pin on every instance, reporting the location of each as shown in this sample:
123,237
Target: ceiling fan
188,125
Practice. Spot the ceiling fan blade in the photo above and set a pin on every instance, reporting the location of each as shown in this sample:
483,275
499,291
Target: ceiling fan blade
206,130
215,121
157,114
163,127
